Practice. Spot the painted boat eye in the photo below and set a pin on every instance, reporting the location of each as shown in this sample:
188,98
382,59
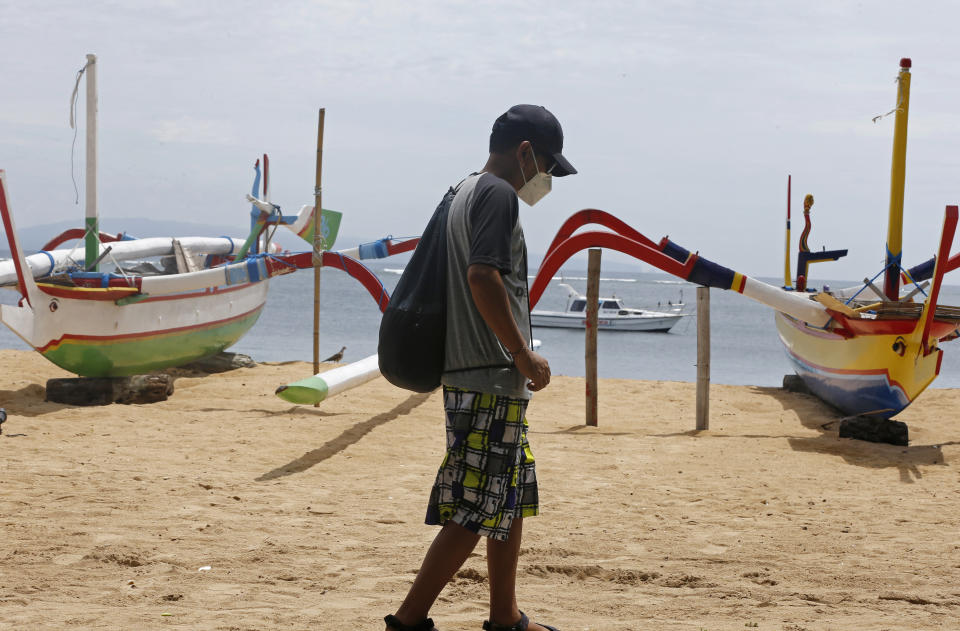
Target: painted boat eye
899,346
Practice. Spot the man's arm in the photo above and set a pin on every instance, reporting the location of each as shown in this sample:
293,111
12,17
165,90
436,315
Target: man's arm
492,302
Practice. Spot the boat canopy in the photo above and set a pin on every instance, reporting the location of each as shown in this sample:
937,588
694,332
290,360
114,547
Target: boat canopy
579,304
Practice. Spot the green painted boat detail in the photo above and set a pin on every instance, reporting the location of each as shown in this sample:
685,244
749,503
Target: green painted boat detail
91,243
121,357
304,392
131,300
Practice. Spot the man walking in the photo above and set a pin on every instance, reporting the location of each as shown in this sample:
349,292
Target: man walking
487,482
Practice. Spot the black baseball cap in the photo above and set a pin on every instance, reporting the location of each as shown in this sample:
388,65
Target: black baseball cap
536,124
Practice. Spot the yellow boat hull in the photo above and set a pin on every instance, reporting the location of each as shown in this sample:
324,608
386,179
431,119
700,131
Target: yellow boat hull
877,375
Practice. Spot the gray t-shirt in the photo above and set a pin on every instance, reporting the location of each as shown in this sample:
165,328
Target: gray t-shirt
483,226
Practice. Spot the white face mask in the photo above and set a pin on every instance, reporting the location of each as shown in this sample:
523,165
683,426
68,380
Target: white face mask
537,187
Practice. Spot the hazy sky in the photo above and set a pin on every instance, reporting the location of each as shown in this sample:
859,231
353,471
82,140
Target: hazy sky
684,118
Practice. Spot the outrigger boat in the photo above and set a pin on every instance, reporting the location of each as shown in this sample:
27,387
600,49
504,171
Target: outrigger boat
867,351
881,349
612,315
110,324
100,324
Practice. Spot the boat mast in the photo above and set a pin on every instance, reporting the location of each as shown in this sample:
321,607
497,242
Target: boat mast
891,279
92,238
787,284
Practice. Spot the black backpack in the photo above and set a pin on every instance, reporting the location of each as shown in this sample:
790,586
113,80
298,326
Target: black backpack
413,329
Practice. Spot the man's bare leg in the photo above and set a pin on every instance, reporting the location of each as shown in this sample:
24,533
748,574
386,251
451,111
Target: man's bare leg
450,548
502,572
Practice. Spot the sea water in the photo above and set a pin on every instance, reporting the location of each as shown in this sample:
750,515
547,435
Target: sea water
744,347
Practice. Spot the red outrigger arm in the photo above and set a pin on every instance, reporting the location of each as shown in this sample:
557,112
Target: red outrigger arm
276,265
592,215
668,257
25,280
396,247
351,266
560,252
939,270
624,239
665,255
360,272
78,233
285,263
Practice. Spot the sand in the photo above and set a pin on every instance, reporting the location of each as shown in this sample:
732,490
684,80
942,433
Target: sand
228,508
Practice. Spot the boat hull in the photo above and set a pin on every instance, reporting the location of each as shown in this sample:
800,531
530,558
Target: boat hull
97,338
559,319
860,375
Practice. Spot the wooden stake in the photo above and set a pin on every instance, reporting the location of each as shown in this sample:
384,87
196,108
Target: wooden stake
703,358
590,354
318,245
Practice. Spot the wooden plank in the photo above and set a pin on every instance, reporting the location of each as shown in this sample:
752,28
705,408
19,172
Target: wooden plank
832,303
106,390
184,263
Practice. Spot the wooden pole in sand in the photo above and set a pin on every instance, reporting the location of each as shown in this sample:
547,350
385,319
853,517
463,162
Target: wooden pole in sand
593,304
703,358
317,246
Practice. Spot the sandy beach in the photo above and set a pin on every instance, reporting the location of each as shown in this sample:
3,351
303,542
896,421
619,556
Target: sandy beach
226,508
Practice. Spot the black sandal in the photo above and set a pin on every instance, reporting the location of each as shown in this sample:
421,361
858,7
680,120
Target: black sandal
520,625
394,623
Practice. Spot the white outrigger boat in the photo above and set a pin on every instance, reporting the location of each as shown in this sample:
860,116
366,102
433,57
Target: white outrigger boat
611,316
106,324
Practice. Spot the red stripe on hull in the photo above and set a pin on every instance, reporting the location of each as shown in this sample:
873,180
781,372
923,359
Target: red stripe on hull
127,336
809,330
215,291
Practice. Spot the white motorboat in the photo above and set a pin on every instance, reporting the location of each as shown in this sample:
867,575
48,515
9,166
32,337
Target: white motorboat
612,315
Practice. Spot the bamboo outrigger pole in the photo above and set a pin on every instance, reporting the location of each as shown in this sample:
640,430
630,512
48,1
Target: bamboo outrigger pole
317,246
787,282
91,227
891,279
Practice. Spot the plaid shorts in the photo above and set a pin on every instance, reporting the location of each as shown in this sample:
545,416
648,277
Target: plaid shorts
488,477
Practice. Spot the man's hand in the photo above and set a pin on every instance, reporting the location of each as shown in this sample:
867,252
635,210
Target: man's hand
534,367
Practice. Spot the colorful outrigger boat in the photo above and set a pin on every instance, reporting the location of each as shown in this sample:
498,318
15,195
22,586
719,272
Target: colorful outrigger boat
881,349
867,351
109,324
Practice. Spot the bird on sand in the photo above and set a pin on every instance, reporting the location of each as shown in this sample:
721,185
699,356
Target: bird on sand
336,357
